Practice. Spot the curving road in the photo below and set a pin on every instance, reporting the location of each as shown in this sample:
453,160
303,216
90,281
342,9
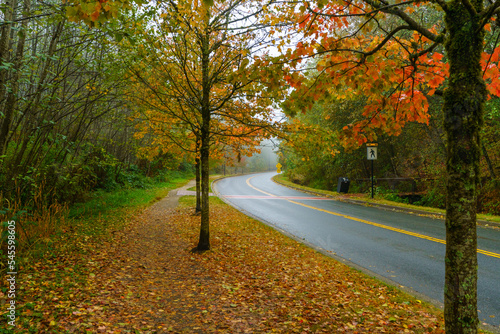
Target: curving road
406,249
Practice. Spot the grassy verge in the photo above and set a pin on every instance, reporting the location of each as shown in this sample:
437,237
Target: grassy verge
113,206
282,179
53,277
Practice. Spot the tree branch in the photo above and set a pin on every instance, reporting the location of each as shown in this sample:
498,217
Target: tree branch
365,13
489,12
472,11
405,17
386,39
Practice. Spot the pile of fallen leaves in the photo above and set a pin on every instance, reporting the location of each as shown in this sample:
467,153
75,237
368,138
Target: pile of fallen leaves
144,279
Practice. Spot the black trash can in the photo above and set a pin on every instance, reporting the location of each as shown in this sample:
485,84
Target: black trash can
343,185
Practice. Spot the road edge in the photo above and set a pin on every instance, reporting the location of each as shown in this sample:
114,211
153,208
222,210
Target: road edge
338,258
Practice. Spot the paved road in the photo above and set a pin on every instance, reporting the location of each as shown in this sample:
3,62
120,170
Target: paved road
406,249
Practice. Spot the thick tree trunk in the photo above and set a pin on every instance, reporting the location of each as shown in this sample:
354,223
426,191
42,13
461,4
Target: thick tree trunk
463,112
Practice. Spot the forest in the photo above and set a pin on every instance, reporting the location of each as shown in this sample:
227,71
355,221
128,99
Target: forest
106,96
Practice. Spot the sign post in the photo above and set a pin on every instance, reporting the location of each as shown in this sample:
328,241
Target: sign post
371,154
278,167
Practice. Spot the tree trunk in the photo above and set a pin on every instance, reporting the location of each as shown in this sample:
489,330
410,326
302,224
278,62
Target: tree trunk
204,242
12,95
5,39
198,185
463,111
488,161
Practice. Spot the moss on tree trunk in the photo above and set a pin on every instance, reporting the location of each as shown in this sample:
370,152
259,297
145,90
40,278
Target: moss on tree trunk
204,241
463,111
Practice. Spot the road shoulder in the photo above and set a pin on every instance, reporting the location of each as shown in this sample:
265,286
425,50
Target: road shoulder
395,207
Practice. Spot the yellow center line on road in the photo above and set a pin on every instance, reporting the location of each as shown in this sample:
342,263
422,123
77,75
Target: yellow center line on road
255,188
417,235
373,224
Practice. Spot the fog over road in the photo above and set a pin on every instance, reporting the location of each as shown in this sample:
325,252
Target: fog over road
407,249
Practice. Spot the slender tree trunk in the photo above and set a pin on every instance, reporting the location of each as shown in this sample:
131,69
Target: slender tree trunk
198,185
5,39
204,242
12,95
31,122
488,161
463,113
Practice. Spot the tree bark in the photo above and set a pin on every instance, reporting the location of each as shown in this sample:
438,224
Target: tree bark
12,95
204,242
463,112
5,40
198,185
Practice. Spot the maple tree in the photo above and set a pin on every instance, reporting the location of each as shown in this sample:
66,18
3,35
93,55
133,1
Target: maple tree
166,135
196,68
397,54
314,155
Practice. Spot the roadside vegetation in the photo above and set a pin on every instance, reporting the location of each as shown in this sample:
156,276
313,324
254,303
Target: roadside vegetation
378,199
55,248
39,226
418,154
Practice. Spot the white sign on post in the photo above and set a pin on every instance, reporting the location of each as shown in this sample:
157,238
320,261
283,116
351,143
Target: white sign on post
371,152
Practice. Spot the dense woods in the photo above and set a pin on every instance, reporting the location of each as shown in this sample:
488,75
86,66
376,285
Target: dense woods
65,127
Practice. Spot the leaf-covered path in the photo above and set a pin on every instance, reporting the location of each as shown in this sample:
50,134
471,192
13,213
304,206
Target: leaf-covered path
146,283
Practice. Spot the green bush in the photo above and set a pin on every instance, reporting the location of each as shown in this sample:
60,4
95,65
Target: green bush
435,197
488,198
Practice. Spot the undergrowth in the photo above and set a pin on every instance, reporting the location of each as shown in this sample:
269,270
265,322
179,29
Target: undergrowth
39,227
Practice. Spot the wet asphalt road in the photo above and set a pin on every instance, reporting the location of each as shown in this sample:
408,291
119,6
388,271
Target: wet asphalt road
406,249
